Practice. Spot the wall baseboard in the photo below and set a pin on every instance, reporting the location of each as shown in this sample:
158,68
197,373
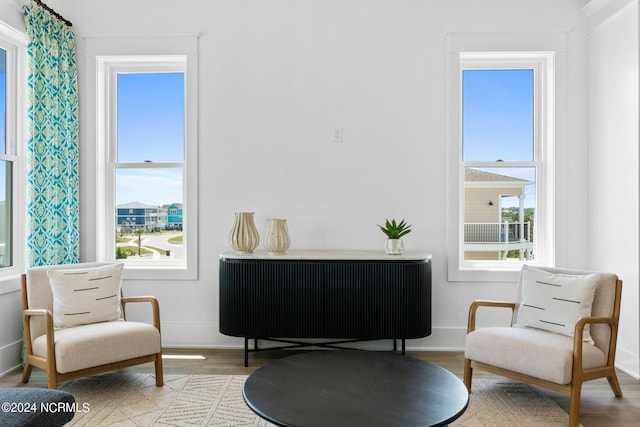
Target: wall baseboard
628,362
177,335
10,357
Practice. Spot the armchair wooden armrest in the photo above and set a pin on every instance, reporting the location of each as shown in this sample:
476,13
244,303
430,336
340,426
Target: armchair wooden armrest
578,343
471,325
48,320
26,314
155,307
582,322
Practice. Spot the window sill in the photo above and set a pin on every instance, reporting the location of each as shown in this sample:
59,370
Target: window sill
159,272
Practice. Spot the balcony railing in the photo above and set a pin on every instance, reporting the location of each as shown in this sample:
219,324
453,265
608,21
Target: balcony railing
505,232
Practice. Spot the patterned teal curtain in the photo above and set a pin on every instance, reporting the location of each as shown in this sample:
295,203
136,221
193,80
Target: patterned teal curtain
52,147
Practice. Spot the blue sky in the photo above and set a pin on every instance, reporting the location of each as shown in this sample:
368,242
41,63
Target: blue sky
497,115
151,117
150,128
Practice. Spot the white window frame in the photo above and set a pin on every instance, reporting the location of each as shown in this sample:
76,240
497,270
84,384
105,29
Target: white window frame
14,43
106,58
539,52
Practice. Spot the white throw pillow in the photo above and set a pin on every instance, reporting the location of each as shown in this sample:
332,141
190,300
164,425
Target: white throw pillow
555,302
86,295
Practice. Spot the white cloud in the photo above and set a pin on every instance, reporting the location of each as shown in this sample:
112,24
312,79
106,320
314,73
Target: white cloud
152,186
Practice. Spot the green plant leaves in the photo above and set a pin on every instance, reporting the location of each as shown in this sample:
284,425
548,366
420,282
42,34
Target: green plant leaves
394,230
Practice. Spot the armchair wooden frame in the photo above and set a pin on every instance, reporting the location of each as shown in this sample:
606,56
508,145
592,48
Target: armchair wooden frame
579,375
48,364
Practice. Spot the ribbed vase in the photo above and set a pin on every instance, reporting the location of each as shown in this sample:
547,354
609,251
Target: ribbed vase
277,239
244,237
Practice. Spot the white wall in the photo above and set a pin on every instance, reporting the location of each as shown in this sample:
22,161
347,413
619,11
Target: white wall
614,233
277,76
11,13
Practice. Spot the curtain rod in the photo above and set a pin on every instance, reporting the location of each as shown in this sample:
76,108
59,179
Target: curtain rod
54,13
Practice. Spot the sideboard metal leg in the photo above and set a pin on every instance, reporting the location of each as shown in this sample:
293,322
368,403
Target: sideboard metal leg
403,347
246,352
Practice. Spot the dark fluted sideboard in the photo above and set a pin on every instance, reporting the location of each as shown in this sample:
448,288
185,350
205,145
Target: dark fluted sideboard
344,295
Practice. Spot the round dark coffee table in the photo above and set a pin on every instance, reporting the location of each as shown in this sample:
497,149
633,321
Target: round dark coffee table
355,388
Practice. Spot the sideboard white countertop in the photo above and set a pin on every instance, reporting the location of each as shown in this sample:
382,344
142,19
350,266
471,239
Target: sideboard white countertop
329,255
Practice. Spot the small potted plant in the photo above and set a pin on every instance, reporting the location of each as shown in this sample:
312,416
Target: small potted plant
394,232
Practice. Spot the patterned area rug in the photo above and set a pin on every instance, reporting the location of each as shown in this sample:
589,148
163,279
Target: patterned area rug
126,399
501,402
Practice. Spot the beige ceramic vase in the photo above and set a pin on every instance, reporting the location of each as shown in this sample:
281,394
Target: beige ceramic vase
277,239
244,237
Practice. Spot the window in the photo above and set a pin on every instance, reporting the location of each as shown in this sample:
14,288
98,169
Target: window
147,168
6,174
11,122
498,159
148,164
501,153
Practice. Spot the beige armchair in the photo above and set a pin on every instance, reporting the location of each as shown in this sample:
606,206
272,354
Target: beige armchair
71,352
550,359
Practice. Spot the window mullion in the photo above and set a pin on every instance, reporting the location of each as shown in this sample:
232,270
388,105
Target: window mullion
148,165
496,165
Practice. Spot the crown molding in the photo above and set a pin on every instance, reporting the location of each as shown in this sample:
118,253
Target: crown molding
599,11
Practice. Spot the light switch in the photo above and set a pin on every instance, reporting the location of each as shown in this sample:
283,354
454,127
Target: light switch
337,134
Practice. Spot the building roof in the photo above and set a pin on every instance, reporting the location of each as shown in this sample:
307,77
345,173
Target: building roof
136,205
176,205
482,178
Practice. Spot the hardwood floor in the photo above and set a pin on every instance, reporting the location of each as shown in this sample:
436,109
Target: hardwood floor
598,406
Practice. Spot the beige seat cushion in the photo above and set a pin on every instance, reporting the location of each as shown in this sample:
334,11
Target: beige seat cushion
532,352
97,344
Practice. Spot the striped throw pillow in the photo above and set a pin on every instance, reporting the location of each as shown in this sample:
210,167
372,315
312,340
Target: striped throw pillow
86,295
555,302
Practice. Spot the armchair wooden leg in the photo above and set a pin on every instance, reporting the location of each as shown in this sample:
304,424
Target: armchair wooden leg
52,373
159,371
574,405
52,381
26,373
468,371
615,384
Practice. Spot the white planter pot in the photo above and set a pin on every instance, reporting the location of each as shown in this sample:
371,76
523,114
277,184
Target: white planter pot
394,247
